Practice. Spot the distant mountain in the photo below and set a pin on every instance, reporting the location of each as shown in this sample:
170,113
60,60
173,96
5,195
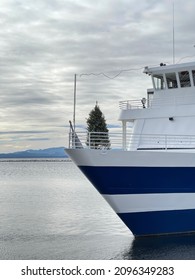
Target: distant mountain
45,153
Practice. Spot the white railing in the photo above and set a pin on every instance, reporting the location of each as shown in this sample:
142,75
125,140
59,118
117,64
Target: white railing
159,101
103,140
95,140
131,104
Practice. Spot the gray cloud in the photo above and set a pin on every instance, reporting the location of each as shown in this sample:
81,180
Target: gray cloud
43,43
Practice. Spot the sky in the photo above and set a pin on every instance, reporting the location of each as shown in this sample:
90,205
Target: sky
44,43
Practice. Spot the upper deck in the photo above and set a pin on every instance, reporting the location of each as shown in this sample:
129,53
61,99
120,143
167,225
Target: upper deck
170,77
173,86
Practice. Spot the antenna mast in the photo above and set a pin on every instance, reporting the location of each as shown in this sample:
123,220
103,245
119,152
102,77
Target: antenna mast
173,34
74,109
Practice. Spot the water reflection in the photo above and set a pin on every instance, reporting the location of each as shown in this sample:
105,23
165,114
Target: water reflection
173,247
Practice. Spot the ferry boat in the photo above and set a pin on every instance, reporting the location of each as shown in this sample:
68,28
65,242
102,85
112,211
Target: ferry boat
147,175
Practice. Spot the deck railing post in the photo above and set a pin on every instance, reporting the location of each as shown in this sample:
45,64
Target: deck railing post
73,140
69,140
124,135
89,140
165,142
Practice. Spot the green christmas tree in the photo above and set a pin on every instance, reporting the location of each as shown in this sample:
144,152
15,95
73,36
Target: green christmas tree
97,129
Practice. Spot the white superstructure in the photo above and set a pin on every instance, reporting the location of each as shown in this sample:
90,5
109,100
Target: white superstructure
170,108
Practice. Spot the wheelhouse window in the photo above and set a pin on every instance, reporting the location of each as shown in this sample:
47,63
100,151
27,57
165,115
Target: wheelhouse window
171,80
184,78
159,81
193,75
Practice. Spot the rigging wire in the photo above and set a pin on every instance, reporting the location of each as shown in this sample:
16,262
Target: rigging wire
118,74
111,77
188,56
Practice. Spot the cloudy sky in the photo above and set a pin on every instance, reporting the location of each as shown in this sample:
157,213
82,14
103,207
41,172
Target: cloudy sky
45,42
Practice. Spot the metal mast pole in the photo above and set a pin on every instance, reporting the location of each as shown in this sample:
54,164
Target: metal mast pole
173,34
75,89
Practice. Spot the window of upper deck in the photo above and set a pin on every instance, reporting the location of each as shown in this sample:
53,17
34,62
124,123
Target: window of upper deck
171,80
184,78
193,76
159,81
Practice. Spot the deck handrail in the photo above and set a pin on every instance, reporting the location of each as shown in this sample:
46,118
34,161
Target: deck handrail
114,140
158,101
131,104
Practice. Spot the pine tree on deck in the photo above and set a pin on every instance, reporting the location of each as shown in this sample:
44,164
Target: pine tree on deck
97,129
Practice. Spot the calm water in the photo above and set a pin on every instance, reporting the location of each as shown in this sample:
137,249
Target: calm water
48,210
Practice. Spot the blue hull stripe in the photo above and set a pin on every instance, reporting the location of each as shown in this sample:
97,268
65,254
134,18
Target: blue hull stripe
135,180
165,222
